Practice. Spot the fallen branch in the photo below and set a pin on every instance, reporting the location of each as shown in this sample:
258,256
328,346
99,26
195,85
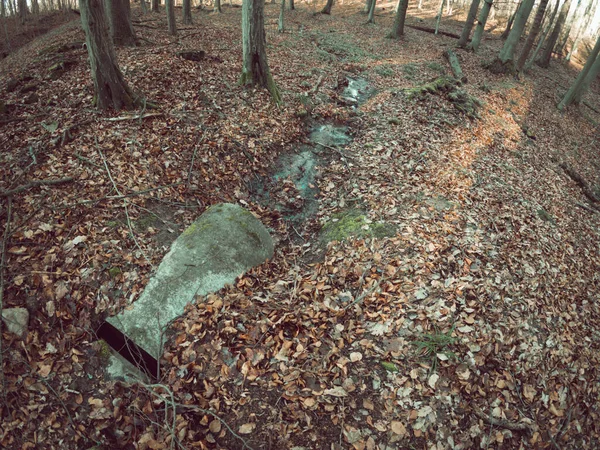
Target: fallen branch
573,175
591,107
35,183
432,31
502,423
455,65
316,87
67,137
134,116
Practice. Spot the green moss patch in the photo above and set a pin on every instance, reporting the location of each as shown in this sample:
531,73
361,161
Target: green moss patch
354,223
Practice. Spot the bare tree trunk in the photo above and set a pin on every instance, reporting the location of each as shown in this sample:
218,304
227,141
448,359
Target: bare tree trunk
481,21
292,6
589,79
280,25
371,18
439,17
464,36
542,38
448,7
187,12
509,24
420,7
562,41
217,7
544,60
35,7
505,60
155,5
144,6
110,88
535,30
367,7
23,9
327,8
255,68
398,27
170,5
119,20
582,25
576,89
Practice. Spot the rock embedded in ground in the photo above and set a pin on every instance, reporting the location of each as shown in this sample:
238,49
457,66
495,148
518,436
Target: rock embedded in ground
16,320
219,246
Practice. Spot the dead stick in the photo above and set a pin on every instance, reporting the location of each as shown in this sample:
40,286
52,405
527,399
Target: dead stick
513,426
2,262
35,184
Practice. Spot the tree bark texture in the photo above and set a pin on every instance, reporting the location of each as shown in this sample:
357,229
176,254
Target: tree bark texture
507,54
587,82
255,68
533,34
544,60
371,18
439,17
109,86
576,89
327,8
170,6
509,24
119,20
464,36
455,65
155,5
562,41
399,20
23,9
292,6
280,25
542,39
367,7
481,21
217,7
187,12
144,6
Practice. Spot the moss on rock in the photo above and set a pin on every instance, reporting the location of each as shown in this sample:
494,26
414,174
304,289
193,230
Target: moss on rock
354,223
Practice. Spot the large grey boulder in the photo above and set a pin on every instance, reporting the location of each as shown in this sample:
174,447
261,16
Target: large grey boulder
219,246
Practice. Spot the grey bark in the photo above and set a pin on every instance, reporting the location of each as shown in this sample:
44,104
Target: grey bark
399,20
576,89
533,34
292,6
544,60
509,24
371,18
327,8
455,66
144,6
439,17
481,21
280,25
507,54
170,6
588,80
187,12
562,41
217,6
119,20
542,39
110,88
255,68
367,6
583,24
464,36
23,9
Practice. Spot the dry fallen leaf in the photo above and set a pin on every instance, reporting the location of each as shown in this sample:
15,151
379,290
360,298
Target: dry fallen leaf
398,428
247,428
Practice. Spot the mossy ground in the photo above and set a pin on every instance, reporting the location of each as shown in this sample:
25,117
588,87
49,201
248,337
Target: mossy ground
354,223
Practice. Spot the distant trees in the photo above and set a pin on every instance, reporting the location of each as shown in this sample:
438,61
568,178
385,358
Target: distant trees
255,68
170,4
217,7
110,88
464,36
398,27
371,18
533,34
581,83
544,59
119,18
155,5
505,60
481,21
280,25
187,12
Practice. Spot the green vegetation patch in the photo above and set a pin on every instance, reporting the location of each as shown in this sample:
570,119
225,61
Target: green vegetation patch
448,87
436,345
385,70
354,223
341,46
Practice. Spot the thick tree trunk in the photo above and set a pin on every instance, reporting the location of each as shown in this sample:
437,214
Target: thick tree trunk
280,25
542,39
155,5
464,36
187,12
505,60
255,68
35,7
509,24
544,60
576,89
398,27
119,20
217,7
23,9
533,34
170,6
327,8
109,86
371,18
481,21
587,82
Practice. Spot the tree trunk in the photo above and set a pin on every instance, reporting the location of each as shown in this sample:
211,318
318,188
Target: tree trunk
155,5
144,6
292,6
562,41
327,8
367,6
398,27
255,68
372,12
481,21
280,26
187,12
439,17
505,60
582,25
544,60
464,36
509,24
23,9
576,89
533,34
35,7
109,86
119,20
542,38
589,79
170,5
420,7
217,7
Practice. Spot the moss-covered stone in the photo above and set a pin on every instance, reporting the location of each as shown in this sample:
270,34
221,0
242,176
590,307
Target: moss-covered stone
354,223
114,272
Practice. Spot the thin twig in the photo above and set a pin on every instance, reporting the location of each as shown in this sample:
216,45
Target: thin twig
35,183
365,294
61,402
513,426
2,262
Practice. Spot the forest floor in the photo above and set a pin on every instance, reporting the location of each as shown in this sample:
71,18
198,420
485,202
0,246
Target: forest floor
474,323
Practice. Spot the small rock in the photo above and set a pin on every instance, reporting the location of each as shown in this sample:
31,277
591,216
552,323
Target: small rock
32,98
192,55
16,320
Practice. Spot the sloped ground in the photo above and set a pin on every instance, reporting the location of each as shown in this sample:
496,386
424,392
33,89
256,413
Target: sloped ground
475,325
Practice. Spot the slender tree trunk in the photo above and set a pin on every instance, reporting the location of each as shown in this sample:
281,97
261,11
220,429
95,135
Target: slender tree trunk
576,89
255,68
110,88
23,9
144,6
583,25
398,27
544,60
170,5
464,36
187,12
155,5
448,7
439,16
327,8
509,24
367,6
505,60
542,39
535,30
420,7
292,6
372,12
217,6
562,41
589,79
481,21
35,7
119,20
280,25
